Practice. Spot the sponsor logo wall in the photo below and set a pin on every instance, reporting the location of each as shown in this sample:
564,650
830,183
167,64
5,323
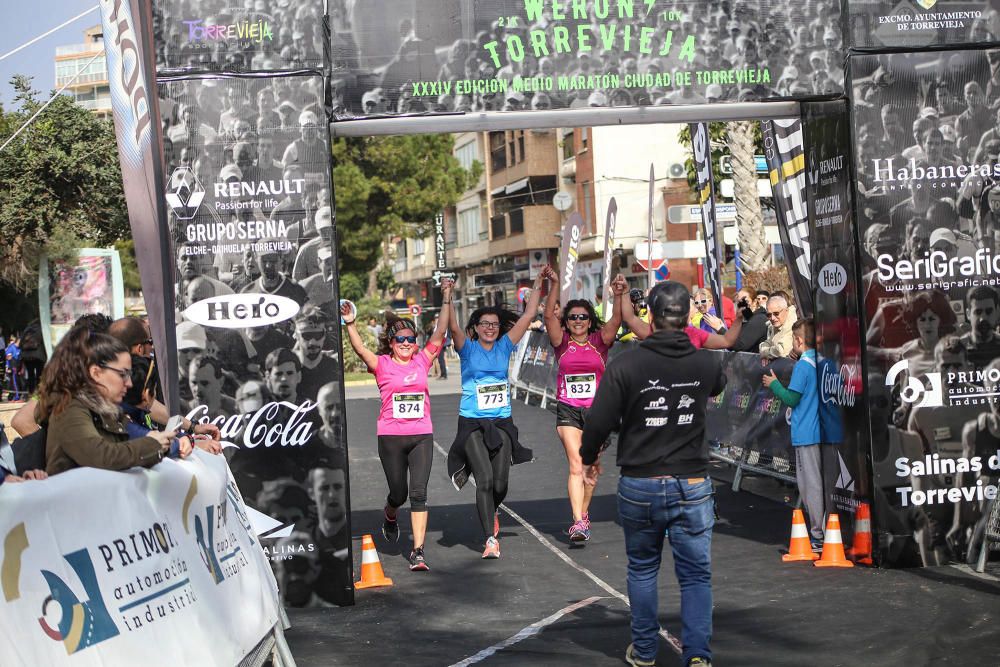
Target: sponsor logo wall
258,335
928,203
179,569
432,56
834,271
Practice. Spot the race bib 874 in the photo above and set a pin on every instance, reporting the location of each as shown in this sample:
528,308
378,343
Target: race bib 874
408,406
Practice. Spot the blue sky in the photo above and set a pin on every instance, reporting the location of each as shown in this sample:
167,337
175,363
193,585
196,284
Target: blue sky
26,19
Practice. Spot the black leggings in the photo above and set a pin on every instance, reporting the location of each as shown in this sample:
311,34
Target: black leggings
491,470
407,453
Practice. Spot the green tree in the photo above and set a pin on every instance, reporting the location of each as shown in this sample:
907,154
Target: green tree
130,267
391,186
61,173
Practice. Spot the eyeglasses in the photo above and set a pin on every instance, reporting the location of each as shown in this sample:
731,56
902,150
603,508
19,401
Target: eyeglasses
405,339
775,314
488,325
313,335
701,302
124,373
578,317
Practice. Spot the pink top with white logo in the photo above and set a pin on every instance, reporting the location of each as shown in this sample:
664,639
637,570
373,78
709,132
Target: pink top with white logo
406,403
580,369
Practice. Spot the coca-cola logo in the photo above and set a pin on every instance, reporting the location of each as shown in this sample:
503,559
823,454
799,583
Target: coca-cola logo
237,311
275,424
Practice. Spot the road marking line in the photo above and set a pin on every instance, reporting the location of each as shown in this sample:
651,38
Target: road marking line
527,632
674,642
962,567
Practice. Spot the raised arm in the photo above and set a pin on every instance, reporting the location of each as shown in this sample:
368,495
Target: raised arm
367,356
727,340
457,334
521,326
640,329
553,325
437,336
610,329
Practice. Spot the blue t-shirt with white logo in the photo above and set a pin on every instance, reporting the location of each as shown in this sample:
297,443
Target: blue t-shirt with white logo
485,392
805,415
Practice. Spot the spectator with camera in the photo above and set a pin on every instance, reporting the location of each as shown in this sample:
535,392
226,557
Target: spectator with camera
754,318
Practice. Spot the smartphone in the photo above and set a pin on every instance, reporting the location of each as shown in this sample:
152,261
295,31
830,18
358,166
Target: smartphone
174,423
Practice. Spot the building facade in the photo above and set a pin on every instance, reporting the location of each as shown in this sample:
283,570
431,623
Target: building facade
90,89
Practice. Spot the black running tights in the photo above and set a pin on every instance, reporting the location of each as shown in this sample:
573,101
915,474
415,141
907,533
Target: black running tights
402,454
491,470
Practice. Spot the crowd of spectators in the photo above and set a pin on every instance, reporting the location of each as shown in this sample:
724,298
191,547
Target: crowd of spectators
798,44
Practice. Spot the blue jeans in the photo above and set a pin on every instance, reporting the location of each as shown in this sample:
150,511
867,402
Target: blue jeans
685,508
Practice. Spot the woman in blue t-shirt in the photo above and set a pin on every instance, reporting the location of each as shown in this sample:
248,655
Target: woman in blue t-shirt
487,444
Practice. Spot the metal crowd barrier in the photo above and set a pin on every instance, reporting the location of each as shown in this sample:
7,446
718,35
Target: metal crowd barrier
746,428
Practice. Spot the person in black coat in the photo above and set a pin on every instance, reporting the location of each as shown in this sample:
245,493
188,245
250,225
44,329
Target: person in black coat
754,322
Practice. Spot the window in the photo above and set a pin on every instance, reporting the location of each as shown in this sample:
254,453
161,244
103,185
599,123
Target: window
584,138
401,249
498,151
450,231
568,148
466,154
418,246
468,226
498,226
587,220
517,221
514,159
520,145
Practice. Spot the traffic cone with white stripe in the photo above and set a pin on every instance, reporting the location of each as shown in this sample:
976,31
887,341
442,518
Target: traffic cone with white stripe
371,568
862,549
833,546
799,547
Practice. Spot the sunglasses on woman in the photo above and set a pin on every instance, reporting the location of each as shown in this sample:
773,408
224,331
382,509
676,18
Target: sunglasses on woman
575,317
405,339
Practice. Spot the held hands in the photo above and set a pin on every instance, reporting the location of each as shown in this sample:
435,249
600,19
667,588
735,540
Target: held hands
592,472
547,273
346,310
619,285
211,430
447,286
210,445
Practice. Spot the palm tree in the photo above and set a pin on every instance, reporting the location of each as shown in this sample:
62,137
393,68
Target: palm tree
754,249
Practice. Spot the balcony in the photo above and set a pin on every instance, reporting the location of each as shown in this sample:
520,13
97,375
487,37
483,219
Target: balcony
100,104
78,49
525,228
83,79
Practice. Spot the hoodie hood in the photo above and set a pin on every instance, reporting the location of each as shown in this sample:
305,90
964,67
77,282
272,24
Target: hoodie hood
669,344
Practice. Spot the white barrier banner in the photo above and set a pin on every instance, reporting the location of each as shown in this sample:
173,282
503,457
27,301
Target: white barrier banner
145,567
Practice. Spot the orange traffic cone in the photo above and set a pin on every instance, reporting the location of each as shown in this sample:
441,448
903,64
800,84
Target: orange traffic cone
833,546
862,549
799,547
371,568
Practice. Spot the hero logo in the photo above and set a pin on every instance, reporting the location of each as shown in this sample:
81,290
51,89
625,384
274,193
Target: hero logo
238,311
832,278
185,193
658,404
915,391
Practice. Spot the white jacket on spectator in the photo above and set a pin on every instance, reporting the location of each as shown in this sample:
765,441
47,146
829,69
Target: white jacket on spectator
779,341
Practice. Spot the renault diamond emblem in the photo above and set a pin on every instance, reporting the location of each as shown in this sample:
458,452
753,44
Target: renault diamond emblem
185,193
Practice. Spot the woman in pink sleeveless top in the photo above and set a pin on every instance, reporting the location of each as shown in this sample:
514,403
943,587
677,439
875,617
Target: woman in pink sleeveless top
581,343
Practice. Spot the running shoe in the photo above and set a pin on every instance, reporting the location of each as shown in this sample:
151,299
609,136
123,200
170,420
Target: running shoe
496,525
579,532
699,661
586,519
817,547
634,660
492,549
417,563
390,527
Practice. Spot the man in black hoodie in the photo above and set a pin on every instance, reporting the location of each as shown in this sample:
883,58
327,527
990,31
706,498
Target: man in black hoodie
656,396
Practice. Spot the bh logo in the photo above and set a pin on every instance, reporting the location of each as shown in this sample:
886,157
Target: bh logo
915,391
76,621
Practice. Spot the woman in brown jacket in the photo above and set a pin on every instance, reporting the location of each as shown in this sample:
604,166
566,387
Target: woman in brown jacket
81,389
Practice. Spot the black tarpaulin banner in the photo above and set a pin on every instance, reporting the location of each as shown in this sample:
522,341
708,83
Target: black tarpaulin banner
787,172
128,45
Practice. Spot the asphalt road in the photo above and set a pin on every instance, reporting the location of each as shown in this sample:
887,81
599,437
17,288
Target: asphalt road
547,603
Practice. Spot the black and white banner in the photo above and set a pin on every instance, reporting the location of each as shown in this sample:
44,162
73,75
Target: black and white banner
714,252
569,252
787,171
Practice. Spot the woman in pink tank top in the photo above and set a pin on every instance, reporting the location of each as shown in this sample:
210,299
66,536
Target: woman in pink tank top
405,433
581,343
